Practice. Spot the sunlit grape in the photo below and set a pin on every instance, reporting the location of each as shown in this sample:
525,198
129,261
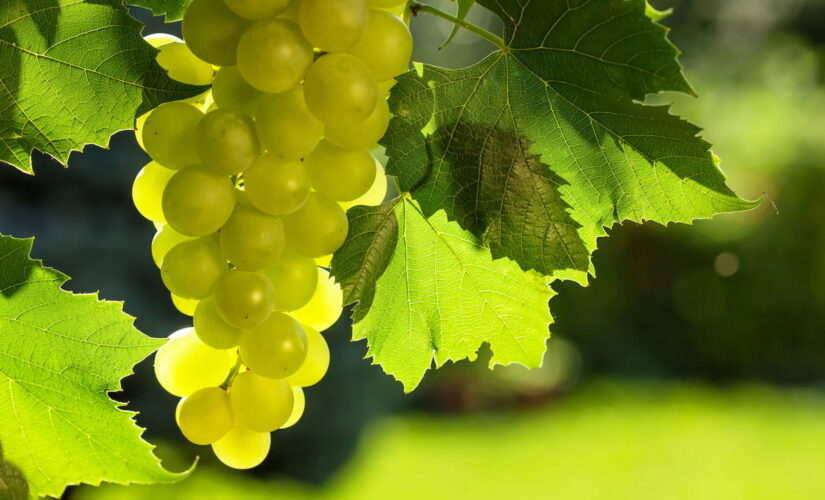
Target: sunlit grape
286,127
367,134
225,141
332,26
212,31
340,174
340,90
182,65
276,348
386,46
251,239
212,329
241,448
261,404
273,55
230,91
275,186
191,268
244,299
147,190
158,39
325,306
205,415
294,278
169,134
376,193
197,201
317,228
298,405
164,240
184,364
317,362
257,9
184,306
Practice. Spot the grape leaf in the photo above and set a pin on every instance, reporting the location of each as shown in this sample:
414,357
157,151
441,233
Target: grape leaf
60,353
544,143
427,290
172,9
73,73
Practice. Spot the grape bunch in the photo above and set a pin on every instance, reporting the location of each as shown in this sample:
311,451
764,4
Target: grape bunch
248,189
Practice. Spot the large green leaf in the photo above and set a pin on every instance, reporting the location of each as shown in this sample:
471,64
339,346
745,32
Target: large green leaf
544,143
72,73
172,9
427,290
60,354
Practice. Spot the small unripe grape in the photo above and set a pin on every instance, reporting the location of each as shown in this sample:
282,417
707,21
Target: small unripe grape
333,25
169,134
386,46
298,405
340,174
294,278
244,298
241,448
184,306
230,91
251,239
190,269
275,186
276,348
367,134
147,190
257,9
205,415
225,141
340,90
164,240
197,201
317,362
212,31
273,55
260,404
184,364
182,65
325,306
376,193
286,127
212,329
318,228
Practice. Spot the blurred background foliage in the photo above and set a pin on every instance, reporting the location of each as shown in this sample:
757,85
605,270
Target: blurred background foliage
692,367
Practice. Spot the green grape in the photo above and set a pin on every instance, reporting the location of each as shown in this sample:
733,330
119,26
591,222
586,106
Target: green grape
294,278
212,31
340,174
317,362
244,298
184,306
333,26
386,46
376,193
241,448
286,127
147,190
230,91
139,124
324,260
276,348
260,404
384,4
367,134
386,86
164,240
291,11
325,306
197,201
251,239
211,327
184,364
275,186
225,141
340,90
298,405
318,228
169,134
257,9
182,65
190,269
205,415
158,39
273,55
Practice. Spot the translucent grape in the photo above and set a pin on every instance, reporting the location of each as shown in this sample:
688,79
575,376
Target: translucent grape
340,174
197,201
257,9
376,193
273,55
139,123
169,134
340,90
332,26
164,240
318,228
367,134
317,362
230,91
291,11
385,87
276,348
212,31
298,405
190,269
211,327
225,141
286,127
275,186
147,190
294,278
251,239
325,306
158,39
386,46
324,260
184,364
241,448
182,65
184,306
205,415
260,404
244,298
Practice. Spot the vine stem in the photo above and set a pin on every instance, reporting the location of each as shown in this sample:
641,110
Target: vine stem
416,7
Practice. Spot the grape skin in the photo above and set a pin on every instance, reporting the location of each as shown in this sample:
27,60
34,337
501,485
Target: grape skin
191,268
184,364
242,448
318,228
230,91
212,31
182,65
205,416
325,306
376,193
298,405
275,186
164,240
198,201
276,348
332,26
211,327
386,46
225,141
148,188
294,278
340,90
273,55
340,174
317,362
286,127
367,134
261,404
169,134
251,239
257,9
244,299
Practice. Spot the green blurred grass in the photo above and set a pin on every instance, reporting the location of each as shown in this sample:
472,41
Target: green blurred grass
608,441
